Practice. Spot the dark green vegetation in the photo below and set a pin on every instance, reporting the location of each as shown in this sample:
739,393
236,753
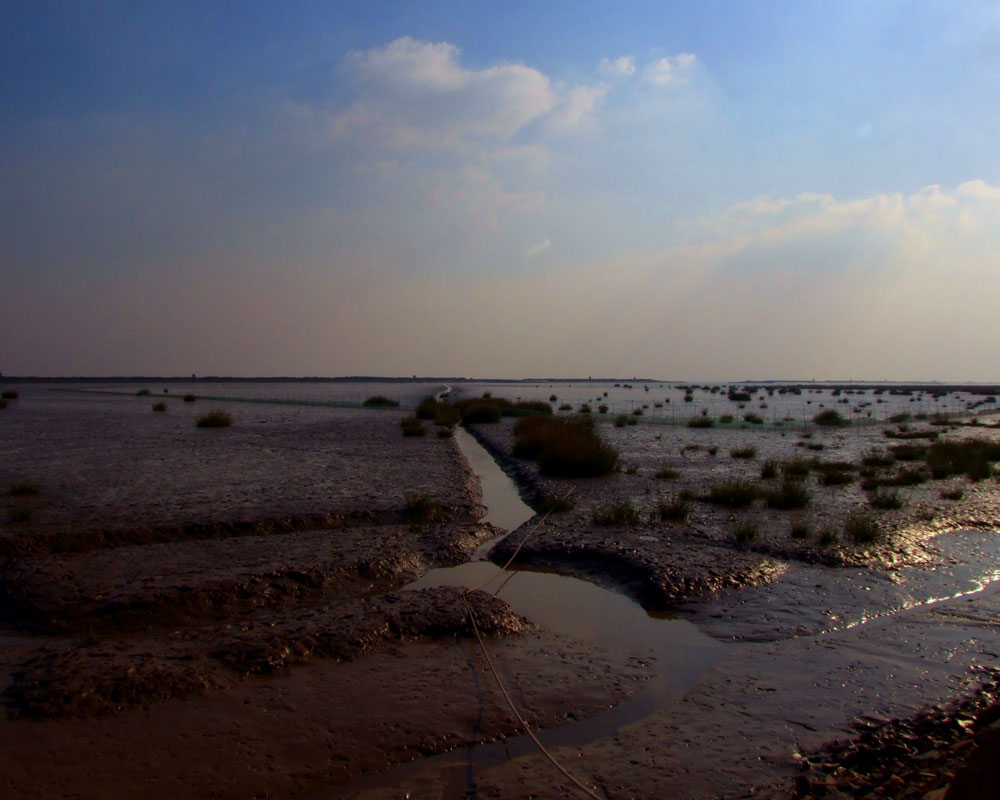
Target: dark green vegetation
556,505
753,419
878,458
621,421
9,394
830,418
791,494
142,393
801,531
732,494
673,509
621,513
744,532
443,414
491,409
970,457
189,398
666,474
420,508
215,418
564,448
23,489
862,529
885,500
161,406
744,452
769,469
701,422
378,401
411,426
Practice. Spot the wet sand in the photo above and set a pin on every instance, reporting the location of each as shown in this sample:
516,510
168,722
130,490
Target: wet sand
191,611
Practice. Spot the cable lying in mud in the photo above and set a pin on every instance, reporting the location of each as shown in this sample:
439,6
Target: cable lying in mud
503,690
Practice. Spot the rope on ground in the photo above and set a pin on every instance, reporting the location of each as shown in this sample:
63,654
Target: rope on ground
524,724
517,550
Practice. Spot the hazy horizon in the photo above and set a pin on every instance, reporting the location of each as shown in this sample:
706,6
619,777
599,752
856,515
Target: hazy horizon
680,189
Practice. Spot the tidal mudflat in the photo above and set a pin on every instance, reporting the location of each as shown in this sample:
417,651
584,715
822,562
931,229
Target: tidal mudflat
190,611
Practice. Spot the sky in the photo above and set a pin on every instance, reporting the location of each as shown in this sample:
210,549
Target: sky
676,190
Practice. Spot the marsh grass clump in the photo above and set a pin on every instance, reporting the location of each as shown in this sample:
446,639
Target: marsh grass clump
420,508
952,494
564,448
816,446
602,409
565,407
161,406
744,532
621,421
411,426
215,418
732,494
445,432
701,422
9,394
3,403
620,513
862,529
744,452
801,531
426,409
885,500
769,470
142,393
189,398
791,494
753,419
830,418
379,401
828,537
479,412
796,468
551,504
666,474
835,477
970,457
20,513
23,489
909,452
907,476
876,457
673,509
726,419
910,435
446,415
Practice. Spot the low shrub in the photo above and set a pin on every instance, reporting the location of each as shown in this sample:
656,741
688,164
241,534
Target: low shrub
908,452
970,457
621,421
910,435
426,409
817,446
447,415
555,505
379,401
564,448
411,426
830,418
602,409
701,422
744,452
769,469
189,398
673,509
666,474
878,458
885,500
906,476
20,513
9,394
952,494
620,513
215,418
828,537
445,432
791,494
732,494
420,508
862,529
801,531
479,412
161,406
23,489
753,419
725,419
142,393
834,477
565,407
744,532
796,468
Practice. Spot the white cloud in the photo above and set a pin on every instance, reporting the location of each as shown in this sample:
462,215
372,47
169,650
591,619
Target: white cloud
538,248
669,69
576,107
622,66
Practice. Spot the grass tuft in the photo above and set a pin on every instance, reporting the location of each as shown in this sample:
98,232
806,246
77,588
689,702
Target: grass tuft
801,531
673,509
379,401
885,500
9,394
830,418
952,494
564,448
215,418
23,489
189,398
701,422
620,513
769,469
161,406
420,508
970,457
411,426
791,494
744,532
744,452
732,494
862,529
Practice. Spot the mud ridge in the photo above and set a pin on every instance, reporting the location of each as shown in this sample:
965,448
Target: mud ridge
101,678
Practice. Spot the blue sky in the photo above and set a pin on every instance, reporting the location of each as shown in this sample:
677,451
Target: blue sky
688,190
